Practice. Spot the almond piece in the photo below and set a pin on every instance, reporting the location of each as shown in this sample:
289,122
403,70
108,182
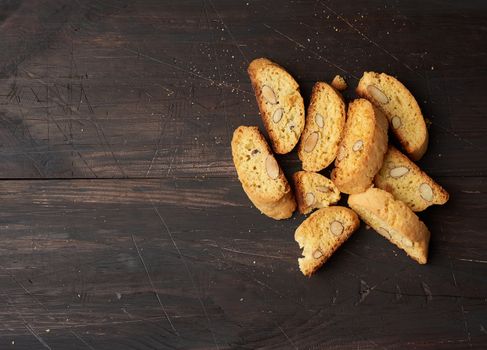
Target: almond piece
377,94
342,153
323,189
396,122
357,146
399,171
319,120
317,254
277,115
383,232
426,192
271,167
407,242
269,94
311,141
309,199
336,227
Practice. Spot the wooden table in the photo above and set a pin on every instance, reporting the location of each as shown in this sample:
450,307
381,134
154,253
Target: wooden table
123,225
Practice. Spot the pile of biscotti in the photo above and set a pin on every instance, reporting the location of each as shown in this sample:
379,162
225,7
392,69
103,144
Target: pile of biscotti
385,186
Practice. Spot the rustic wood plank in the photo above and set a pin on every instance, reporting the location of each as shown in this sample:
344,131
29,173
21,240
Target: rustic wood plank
120,89
89,261
140,236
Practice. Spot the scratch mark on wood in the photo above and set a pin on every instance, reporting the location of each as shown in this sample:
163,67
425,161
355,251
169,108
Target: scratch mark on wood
287,337
427,291
465,327
153,287
212,81
215,55
229,32
453,274
82,340
266,286
451,132
422,295
172,161
474,261
253,254
365,37
37,336
156,150
161,218
364,291
297,43
45,308
398,293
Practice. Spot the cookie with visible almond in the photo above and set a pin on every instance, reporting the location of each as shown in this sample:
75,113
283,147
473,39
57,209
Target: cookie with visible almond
321,234
408,183
362,148
401,109
323,130
262,179
314,191
394,220
280,103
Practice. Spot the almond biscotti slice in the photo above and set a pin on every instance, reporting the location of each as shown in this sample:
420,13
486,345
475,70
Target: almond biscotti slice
408,183
314,191
280,103
262,179
324,127
400,108
321,234
362,148
394,220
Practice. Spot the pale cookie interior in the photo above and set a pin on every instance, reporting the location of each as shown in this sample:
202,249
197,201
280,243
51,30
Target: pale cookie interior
321,236
282,105
353,149
314,191
386,230
323,130
400,108
262,170
408,183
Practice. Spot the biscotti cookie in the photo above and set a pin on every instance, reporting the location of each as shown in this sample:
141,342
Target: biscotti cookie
408,183
321,234
394,220
324,127
400,108
362,148
262,179
339,83
314,191
280,103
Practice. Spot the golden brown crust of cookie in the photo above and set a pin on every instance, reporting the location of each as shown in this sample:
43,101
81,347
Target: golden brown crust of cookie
362,148
401,109
280,103
262,179
394,220
321,234
408,183
325,122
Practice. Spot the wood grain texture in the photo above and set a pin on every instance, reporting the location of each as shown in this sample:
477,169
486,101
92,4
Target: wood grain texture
123,223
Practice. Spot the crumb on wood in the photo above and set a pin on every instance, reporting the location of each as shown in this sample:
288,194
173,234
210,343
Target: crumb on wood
339,83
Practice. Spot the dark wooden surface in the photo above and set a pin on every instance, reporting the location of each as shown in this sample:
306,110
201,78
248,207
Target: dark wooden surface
123,225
